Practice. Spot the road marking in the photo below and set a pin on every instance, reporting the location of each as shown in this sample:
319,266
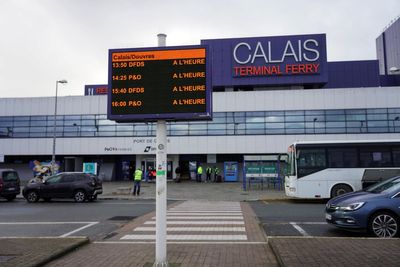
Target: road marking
216,217
193,229
87,224
203,213
79,229
298,228
198,222
172,242
44,223
187,237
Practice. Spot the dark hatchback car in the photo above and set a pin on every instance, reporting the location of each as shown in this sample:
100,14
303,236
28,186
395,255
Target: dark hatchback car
9,184
375,209
76,185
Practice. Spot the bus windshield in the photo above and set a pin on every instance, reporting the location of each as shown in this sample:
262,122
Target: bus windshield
291,161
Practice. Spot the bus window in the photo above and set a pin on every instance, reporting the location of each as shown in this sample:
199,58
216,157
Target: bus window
375,157
342,157
310,161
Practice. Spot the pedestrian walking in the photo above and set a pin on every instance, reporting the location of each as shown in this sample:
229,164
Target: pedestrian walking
178,174
137,178
199,174
208,174
215,171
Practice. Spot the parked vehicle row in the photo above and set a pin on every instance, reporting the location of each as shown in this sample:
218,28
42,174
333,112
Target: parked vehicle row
72,185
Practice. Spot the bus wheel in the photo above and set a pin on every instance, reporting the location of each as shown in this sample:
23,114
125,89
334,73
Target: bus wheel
340,189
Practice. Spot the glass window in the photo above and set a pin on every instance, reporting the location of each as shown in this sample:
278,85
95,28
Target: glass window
342,158
255,126
274,119
375,157
38,118
310,161
377,110
218,120
315,112
254,119
21,123
377,117
39,123
298,125
335,118
274,125
294,113
294,118
106,122
355,117
315,118
334,112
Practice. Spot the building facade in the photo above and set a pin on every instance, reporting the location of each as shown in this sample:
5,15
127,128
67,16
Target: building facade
268,92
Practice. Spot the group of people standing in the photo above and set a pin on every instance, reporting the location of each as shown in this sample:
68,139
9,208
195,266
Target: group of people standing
212,173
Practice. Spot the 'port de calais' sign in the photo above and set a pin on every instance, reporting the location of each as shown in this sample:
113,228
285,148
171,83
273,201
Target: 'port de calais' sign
277,60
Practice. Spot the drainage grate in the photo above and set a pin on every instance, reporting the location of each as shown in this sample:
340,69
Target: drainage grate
122,218
110,235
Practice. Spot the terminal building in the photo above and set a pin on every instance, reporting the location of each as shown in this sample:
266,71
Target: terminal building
268,92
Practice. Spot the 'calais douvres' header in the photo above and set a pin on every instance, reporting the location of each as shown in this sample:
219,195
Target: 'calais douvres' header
278,60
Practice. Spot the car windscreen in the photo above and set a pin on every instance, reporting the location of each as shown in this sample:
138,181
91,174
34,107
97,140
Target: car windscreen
386,186
10,176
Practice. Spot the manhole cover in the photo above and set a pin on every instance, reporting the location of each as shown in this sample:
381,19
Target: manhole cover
122,218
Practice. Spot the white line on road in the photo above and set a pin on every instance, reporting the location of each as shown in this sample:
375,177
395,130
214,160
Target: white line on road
298,228
198,222
194,229
79,229
215,217
44,223
187,237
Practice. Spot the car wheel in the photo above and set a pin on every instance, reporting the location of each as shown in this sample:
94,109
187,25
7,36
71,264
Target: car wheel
79,196
384,224
32,196
340,189
11,198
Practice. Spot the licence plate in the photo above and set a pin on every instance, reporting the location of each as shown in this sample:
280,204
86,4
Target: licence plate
11,189
328,216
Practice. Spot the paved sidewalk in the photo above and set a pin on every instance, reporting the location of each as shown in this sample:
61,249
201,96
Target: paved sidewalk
25,252
190,190
200,233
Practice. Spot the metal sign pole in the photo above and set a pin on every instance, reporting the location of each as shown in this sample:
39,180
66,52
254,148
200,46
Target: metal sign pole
161,186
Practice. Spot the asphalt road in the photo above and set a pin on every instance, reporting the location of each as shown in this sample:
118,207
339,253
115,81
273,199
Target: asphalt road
97,220
297,218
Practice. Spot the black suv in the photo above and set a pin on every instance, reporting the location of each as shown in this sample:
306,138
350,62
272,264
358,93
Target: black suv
9,184
76,185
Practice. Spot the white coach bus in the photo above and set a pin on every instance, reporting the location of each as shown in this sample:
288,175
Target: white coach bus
325,169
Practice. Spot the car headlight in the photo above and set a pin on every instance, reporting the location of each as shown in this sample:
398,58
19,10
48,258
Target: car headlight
351,207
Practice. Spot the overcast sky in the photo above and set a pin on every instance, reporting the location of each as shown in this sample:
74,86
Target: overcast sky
47,40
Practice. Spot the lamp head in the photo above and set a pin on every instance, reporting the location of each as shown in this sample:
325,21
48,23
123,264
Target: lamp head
62,81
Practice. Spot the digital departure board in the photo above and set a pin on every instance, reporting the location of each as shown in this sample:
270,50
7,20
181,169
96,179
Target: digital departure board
148,84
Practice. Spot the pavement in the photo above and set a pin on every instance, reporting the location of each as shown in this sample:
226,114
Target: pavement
210,225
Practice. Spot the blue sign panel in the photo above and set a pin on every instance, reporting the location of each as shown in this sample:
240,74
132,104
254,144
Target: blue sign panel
266,61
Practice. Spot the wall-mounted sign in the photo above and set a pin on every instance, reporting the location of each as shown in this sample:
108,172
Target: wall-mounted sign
276,60
96,89
148,84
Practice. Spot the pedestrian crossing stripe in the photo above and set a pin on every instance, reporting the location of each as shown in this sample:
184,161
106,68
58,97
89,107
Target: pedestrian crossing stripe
188,237
193,229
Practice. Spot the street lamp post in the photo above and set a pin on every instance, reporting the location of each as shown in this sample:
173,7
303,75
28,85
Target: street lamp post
315,119
53,157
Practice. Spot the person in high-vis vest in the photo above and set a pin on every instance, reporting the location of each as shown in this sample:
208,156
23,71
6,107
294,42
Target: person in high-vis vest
199,173
137,178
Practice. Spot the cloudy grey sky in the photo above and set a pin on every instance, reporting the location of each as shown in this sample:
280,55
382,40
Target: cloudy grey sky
47,40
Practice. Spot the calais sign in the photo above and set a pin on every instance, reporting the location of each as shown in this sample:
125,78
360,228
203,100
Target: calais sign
278,60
